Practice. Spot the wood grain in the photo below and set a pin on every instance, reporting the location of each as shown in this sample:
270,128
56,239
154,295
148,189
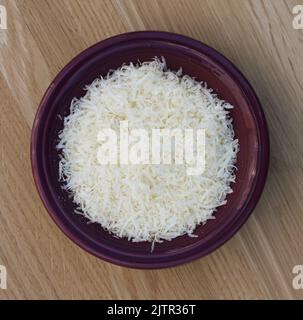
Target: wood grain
42,36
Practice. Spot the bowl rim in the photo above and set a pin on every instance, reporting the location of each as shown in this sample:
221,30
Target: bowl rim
238,77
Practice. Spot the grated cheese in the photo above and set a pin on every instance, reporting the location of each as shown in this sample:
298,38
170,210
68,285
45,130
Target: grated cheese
147,202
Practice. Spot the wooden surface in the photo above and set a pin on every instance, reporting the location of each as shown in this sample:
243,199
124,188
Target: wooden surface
42,36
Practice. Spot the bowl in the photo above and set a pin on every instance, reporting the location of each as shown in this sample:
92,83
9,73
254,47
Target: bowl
197,60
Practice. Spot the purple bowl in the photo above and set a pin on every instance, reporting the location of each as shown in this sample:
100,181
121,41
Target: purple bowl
197,60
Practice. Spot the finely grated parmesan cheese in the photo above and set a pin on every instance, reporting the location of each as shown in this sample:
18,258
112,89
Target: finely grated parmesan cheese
147,202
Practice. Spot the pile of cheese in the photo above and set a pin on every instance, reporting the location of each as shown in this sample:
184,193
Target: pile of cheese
147,202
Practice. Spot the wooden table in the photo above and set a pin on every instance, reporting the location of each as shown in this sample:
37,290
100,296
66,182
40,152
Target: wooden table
42,36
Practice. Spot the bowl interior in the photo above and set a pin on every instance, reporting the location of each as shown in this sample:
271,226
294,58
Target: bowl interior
96,61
